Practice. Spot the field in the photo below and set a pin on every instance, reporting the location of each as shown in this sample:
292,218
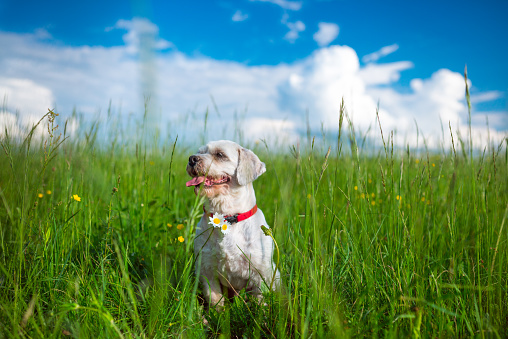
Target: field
96,240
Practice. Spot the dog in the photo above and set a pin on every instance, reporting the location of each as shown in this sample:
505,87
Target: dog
223,172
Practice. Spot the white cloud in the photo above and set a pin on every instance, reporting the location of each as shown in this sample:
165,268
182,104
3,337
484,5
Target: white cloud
18,127
294,30
383,74
496,120
141,33
326,34
333,73
486,96
36,72
30,101
381,53
320,83
24,95
438,99
42,33
272,131
239,16
85,77
285,4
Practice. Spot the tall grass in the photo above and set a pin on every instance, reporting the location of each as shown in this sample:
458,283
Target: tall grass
391,244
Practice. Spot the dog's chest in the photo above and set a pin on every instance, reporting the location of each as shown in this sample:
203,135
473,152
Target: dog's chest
231,247
229,252
233,264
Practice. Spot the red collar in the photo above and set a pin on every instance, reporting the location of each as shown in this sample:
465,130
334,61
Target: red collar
237,217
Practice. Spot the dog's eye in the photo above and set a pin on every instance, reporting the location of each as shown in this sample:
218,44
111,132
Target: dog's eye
219,155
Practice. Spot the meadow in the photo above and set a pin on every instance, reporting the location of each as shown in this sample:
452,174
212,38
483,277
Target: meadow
96,240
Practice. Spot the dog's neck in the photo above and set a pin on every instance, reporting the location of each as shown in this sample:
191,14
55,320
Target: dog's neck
239,200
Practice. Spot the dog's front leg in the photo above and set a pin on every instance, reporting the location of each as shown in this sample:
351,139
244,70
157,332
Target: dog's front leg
212,291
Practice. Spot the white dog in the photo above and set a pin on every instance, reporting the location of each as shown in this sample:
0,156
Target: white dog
223,171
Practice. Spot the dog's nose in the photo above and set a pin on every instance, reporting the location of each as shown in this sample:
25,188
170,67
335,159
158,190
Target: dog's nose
193,160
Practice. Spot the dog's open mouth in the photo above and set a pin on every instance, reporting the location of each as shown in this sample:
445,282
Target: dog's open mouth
208,181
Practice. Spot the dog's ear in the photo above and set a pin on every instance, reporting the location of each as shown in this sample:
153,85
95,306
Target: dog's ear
249,167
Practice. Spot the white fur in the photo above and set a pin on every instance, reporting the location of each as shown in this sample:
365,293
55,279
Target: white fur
243,257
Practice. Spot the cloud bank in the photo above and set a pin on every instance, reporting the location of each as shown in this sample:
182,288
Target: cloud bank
261,101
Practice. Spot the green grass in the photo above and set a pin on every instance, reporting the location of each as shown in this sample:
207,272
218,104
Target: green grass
390,244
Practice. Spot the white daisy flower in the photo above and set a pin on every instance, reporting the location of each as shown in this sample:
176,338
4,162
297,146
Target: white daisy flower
216,220
225,226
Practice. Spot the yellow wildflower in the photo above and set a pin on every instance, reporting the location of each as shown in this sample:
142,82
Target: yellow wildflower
169,225
48,192
76,197
181,239
356,188
40,195
179,226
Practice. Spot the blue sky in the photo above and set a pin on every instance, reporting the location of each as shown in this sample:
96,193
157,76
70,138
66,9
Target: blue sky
400,54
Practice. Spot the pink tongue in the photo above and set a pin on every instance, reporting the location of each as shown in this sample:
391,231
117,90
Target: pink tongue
195,181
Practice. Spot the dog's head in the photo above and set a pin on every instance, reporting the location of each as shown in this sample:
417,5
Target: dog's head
221,166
